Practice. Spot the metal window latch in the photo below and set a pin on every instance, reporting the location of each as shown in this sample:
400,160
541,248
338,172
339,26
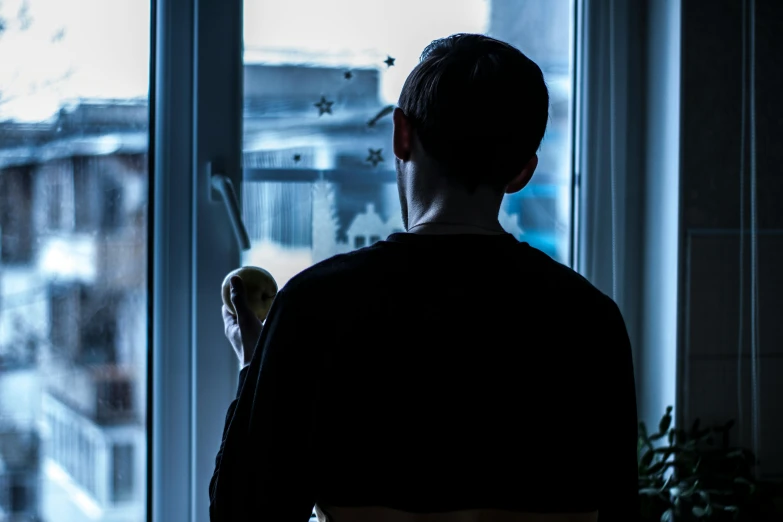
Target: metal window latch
223,185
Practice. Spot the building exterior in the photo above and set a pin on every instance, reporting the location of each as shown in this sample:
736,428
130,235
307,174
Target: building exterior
73,279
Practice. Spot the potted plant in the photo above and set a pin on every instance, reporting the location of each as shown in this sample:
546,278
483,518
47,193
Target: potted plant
696,474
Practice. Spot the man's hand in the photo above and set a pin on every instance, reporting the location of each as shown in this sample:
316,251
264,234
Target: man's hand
244,330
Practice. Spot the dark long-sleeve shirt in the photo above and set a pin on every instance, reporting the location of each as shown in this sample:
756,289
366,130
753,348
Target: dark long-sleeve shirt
433,373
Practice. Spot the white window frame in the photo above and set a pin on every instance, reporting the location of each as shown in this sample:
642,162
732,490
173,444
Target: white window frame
197,108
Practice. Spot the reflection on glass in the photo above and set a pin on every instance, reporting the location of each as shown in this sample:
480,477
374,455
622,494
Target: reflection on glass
318,162
73,259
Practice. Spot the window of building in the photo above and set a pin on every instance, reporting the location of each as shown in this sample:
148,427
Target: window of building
53,204
16,245
63,318
115,398
19,496
88,197
112,206
99,323
122,472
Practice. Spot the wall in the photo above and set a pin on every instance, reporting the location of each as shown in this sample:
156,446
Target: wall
660,138
715,382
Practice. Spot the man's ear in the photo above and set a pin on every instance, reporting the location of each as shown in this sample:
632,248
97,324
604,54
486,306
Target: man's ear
523,178
403,135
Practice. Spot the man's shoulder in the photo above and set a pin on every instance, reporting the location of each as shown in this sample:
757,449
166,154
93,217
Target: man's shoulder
568,280
556,270
330,271
344,271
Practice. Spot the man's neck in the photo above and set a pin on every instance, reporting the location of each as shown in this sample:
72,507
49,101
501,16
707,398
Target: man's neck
441,219
446,216
453,228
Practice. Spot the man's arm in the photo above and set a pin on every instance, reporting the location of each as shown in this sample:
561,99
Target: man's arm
620,493
262,472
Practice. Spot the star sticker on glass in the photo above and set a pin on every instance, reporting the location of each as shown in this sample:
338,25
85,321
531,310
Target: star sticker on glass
375,157
389,61
297,158
348,75
324,106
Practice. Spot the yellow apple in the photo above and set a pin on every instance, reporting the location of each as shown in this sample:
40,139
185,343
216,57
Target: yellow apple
260,287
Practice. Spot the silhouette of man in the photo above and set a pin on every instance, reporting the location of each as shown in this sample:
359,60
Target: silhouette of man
450,372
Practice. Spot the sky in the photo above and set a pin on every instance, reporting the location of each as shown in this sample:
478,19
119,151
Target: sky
63,50
358,32
71,49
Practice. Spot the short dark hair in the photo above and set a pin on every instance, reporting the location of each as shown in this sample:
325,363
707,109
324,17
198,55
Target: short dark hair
479,106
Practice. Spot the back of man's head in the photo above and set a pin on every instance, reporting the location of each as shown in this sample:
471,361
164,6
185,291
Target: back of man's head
479,107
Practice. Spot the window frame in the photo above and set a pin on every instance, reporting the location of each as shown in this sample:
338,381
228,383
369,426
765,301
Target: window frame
192,372
196,81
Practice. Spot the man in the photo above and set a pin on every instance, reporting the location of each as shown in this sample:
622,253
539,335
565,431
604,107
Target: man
449,373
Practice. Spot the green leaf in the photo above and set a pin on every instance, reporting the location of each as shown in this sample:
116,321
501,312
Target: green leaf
698,512
647,458
689,492
667,516
718,493
668,450
658,466
666,421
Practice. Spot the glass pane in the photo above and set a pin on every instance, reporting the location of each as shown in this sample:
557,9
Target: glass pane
319,177
74,83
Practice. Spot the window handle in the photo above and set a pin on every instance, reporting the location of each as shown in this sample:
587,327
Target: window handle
222,184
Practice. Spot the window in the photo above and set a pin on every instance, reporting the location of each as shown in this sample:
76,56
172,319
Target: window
15,220
115,397
19,449
122,460
74,87
63,323
318,178
19,497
